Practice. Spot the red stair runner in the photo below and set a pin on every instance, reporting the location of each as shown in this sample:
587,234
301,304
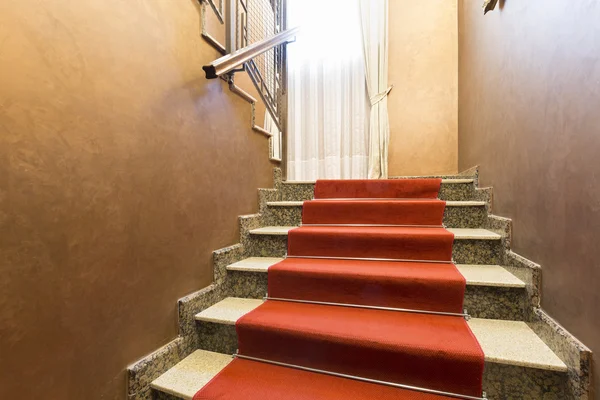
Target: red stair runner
371,242
378,189
411,285
414,349
430,351
244,379
390,212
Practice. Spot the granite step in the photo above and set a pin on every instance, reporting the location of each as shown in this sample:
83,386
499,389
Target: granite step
457,189
492,291
471,245
476,275
188,376
517,360
458,214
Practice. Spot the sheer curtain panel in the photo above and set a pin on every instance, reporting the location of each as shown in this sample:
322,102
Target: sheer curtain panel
328,105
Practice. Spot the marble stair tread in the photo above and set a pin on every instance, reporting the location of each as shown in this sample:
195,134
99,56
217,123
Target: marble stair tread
458,180
514,343
254,264
476,275
187,377
272,230
285,203
448,203
465,203
489,275
459,233
503,342
228,310
476,233
299,182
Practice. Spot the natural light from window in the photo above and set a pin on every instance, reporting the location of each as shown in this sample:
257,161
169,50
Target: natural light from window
330,29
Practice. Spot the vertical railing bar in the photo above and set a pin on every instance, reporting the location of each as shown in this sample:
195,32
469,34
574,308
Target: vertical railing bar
284,97
231,26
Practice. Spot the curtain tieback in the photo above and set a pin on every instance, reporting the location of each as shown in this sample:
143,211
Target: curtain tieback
380,96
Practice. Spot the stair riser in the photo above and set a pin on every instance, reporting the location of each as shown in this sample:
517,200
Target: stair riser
448,191
454,217
457,191
480,301
509,382
464,251
158,395
219,338
501,382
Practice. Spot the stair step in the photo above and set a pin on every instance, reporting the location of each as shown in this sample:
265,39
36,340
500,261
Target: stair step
457,214
503,342
459,233
228,311
489,275
448,203
445,180
272,230
450,189
191,374
476,275
454,181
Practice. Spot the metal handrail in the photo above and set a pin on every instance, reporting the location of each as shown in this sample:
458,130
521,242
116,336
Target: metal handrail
238,58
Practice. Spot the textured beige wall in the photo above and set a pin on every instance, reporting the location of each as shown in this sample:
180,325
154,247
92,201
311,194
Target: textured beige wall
529,117
423,66
121,170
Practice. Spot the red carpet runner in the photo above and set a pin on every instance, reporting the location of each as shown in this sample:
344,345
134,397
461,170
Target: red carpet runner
362,244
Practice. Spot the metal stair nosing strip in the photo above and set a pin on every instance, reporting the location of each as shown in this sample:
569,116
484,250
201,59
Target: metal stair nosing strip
368,307
362,379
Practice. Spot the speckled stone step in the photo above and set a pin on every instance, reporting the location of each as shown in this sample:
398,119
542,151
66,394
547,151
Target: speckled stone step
471,246
519,365
457,189
187,377
458,214
492,291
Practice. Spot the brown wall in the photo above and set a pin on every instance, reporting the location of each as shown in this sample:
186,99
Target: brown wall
423,66
529,101
121,169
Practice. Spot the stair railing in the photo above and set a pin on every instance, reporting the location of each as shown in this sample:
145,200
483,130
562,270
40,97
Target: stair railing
238,59
256,39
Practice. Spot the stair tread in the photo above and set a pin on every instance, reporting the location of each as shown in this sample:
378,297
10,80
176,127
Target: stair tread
489,275
514,343
194,372
474,233
458,180
459,233
191,374
448,203
476,275
254,264
272,230
503,342
228,311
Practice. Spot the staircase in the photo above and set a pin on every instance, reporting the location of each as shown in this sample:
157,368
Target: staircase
527,354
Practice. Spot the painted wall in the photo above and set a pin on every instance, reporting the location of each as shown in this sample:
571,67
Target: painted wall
529,116
121,170
423,66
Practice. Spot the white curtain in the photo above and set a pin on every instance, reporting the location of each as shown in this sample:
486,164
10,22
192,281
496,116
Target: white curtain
328,104
374,24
